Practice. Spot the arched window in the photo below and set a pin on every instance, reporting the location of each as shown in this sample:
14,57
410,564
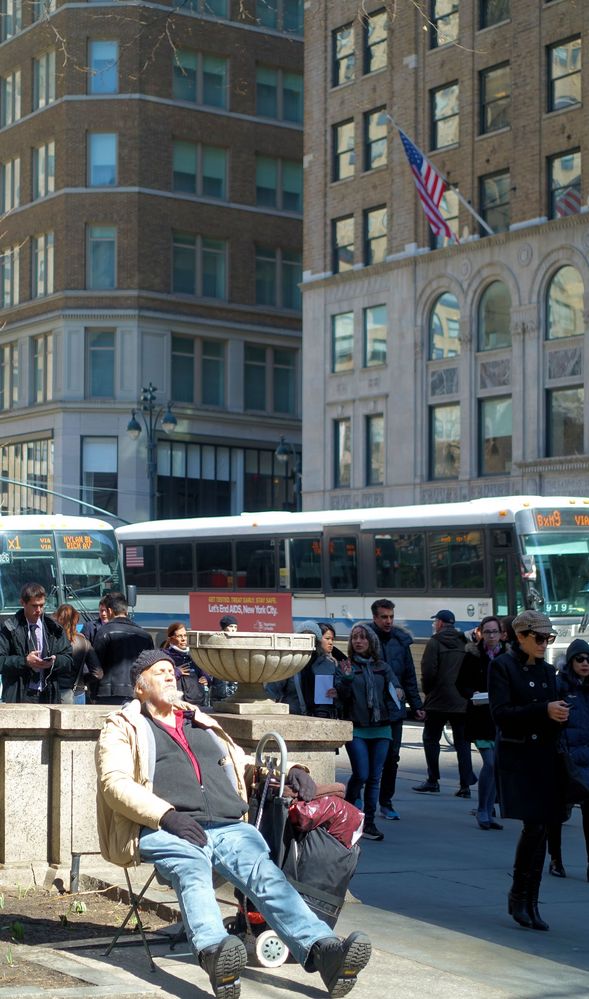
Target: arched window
564,312
444,328
495,317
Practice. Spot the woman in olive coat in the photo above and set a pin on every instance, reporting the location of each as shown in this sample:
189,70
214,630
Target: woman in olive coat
529,717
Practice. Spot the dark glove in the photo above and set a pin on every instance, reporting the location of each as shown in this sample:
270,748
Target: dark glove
302,783
183,825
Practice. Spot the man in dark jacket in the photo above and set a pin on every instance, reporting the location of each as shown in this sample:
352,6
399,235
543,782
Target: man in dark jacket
395,644
117,645
35,655
441,662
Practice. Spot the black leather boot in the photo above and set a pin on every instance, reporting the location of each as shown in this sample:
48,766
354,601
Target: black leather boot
517,903
534,889
536,919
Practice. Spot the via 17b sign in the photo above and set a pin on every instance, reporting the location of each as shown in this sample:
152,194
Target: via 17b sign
254,611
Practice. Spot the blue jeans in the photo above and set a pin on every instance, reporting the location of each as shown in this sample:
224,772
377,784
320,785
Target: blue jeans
239,853
367,758
486,786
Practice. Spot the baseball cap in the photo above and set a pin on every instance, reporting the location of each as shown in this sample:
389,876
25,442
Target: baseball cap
146,659
444,615
531,620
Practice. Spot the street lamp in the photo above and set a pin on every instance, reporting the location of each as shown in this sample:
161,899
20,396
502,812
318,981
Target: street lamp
283,452
151,415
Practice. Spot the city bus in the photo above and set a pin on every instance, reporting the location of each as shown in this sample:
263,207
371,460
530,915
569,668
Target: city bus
76,559
484,556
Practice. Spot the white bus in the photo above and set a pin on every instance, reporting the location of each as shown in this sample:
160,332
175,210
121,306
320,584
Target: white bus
478,557
76,559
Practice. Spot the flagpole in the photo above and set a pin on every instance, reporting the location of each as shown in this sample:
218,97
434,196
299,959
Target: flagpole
446,181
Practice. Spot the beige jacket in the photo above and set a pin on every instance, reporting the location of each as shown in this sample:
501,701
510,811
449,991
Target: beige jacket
125,762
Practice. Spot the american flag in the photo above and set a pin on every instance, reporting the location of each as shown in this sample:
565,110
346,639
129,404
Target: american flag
134,556
431,188
568,202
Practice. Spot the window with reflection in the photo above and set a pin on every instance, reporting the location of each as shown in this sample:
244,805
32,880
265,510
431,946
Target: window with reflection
175,564
494,11
375,453
255,563
444,25
495,317
343,563
444,328
375,41
305,563
375,335
564,184
342,453
495,426
139,562
214,565
495,201
399,559
564,421
444,116
344,56
564,311
342,342
564,74
456,560
449,209
495,93
445,441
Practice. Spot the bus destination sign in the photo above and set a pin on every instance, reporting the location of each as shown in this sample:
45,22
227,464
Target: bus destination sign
550,520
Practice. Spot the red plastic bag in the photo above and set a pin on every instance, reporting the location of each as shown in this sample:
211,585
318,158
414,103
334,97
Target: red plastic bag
340,818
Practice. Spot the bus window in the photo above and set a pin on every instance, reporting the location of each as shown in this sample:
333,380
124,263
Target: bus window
305,564
399,561
456,560
176,566
500,586
255,564
343,563
139,561
214,565
26,557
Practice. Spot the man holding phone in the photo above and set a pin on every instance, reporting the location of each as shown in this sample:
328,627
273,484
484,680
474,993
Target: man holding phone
35,656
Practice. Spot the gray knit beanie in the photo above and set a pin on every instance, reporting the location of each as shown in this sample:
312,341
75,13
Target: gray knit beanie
147,658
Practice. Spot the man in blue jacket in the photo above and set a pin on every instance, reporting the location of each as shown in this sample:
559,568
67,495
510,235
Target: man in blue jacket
395,644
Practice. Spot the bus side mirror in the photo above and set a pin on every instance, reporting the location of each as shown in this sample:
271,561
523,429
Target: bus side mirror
132,595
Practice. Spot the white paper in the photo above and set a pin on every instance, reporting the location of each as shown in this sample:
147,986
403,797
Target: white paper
481,697
323,682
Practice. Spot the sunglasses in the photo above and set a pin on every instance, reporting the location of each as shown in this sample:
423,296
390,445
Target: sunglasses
539,637
581,659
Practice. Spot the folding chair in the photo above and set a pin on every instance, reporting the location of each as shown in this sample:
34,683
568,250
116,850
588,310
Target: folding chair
135,901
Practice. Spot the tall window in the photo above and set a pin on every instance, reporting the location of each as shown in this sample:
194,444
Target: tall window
449,208
279,183
375,450
282,15
212,388
269,379
43,170
200,170
42,381
375,235
200,78
375,41
100,364
444,22
284,381
102,159
199,266
565,421
343,244
564,180
279,95
344,156
101,256
444,442
444,116
375,335
495,198
375,139
103,68
342,453
9,276
182,374
344,56
278,276
342,342
494,11
9,185
99,472
495,436
565,304
43,265
495,317
495,87
444,328
254,382
564,74
9,379
44,80
10,94
10,18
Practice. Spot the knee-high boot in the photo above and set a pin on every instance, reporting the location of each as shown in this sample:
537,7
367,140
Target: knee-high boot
534,888
517,900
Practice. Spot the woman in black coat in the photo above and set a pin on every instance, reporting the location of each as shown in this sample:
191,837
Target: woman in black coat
573,686
529,716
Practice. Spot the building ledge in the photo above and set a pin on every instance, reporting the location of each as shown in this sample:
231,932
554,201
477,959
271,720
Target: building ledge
571,463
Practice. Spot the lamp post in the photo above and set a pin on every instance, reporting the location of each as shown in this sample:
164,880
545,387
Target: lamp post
152,415
283,452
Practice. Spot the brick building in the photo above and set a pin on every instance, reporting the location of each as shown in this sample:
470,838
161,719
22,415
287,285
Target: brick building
151,191
438,370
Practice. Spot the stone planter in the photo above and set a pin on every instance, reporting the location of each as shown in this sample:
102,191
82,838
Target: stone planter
250,659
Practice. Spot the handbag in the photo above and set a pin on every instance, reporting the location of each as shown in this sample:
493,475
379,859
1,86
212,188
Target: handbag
576,778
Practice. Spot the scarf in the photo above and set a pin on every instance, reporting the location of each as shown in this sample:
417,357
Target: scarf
367,666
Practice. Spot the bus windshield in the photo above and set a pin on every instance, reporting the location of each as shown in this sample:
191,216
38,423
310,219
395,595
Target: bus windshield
26,557
558,568
89,566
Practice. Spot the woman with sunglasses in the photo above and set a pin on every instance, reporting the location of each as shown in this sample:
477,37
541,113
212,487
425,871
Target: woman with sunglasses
529,716
573,686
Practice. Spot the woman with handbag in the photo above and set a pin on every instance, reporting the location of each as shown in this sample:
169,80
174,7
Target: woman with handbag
86,670
529,717
573,686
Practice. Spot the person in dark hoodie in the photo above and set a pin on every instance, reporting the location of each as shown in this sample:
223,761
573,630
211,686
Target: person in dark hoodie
572,684
117,645
440,664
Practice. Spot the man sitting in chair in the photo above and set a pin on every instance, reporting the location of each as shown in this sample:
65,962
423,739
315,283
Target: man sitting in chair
172,792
